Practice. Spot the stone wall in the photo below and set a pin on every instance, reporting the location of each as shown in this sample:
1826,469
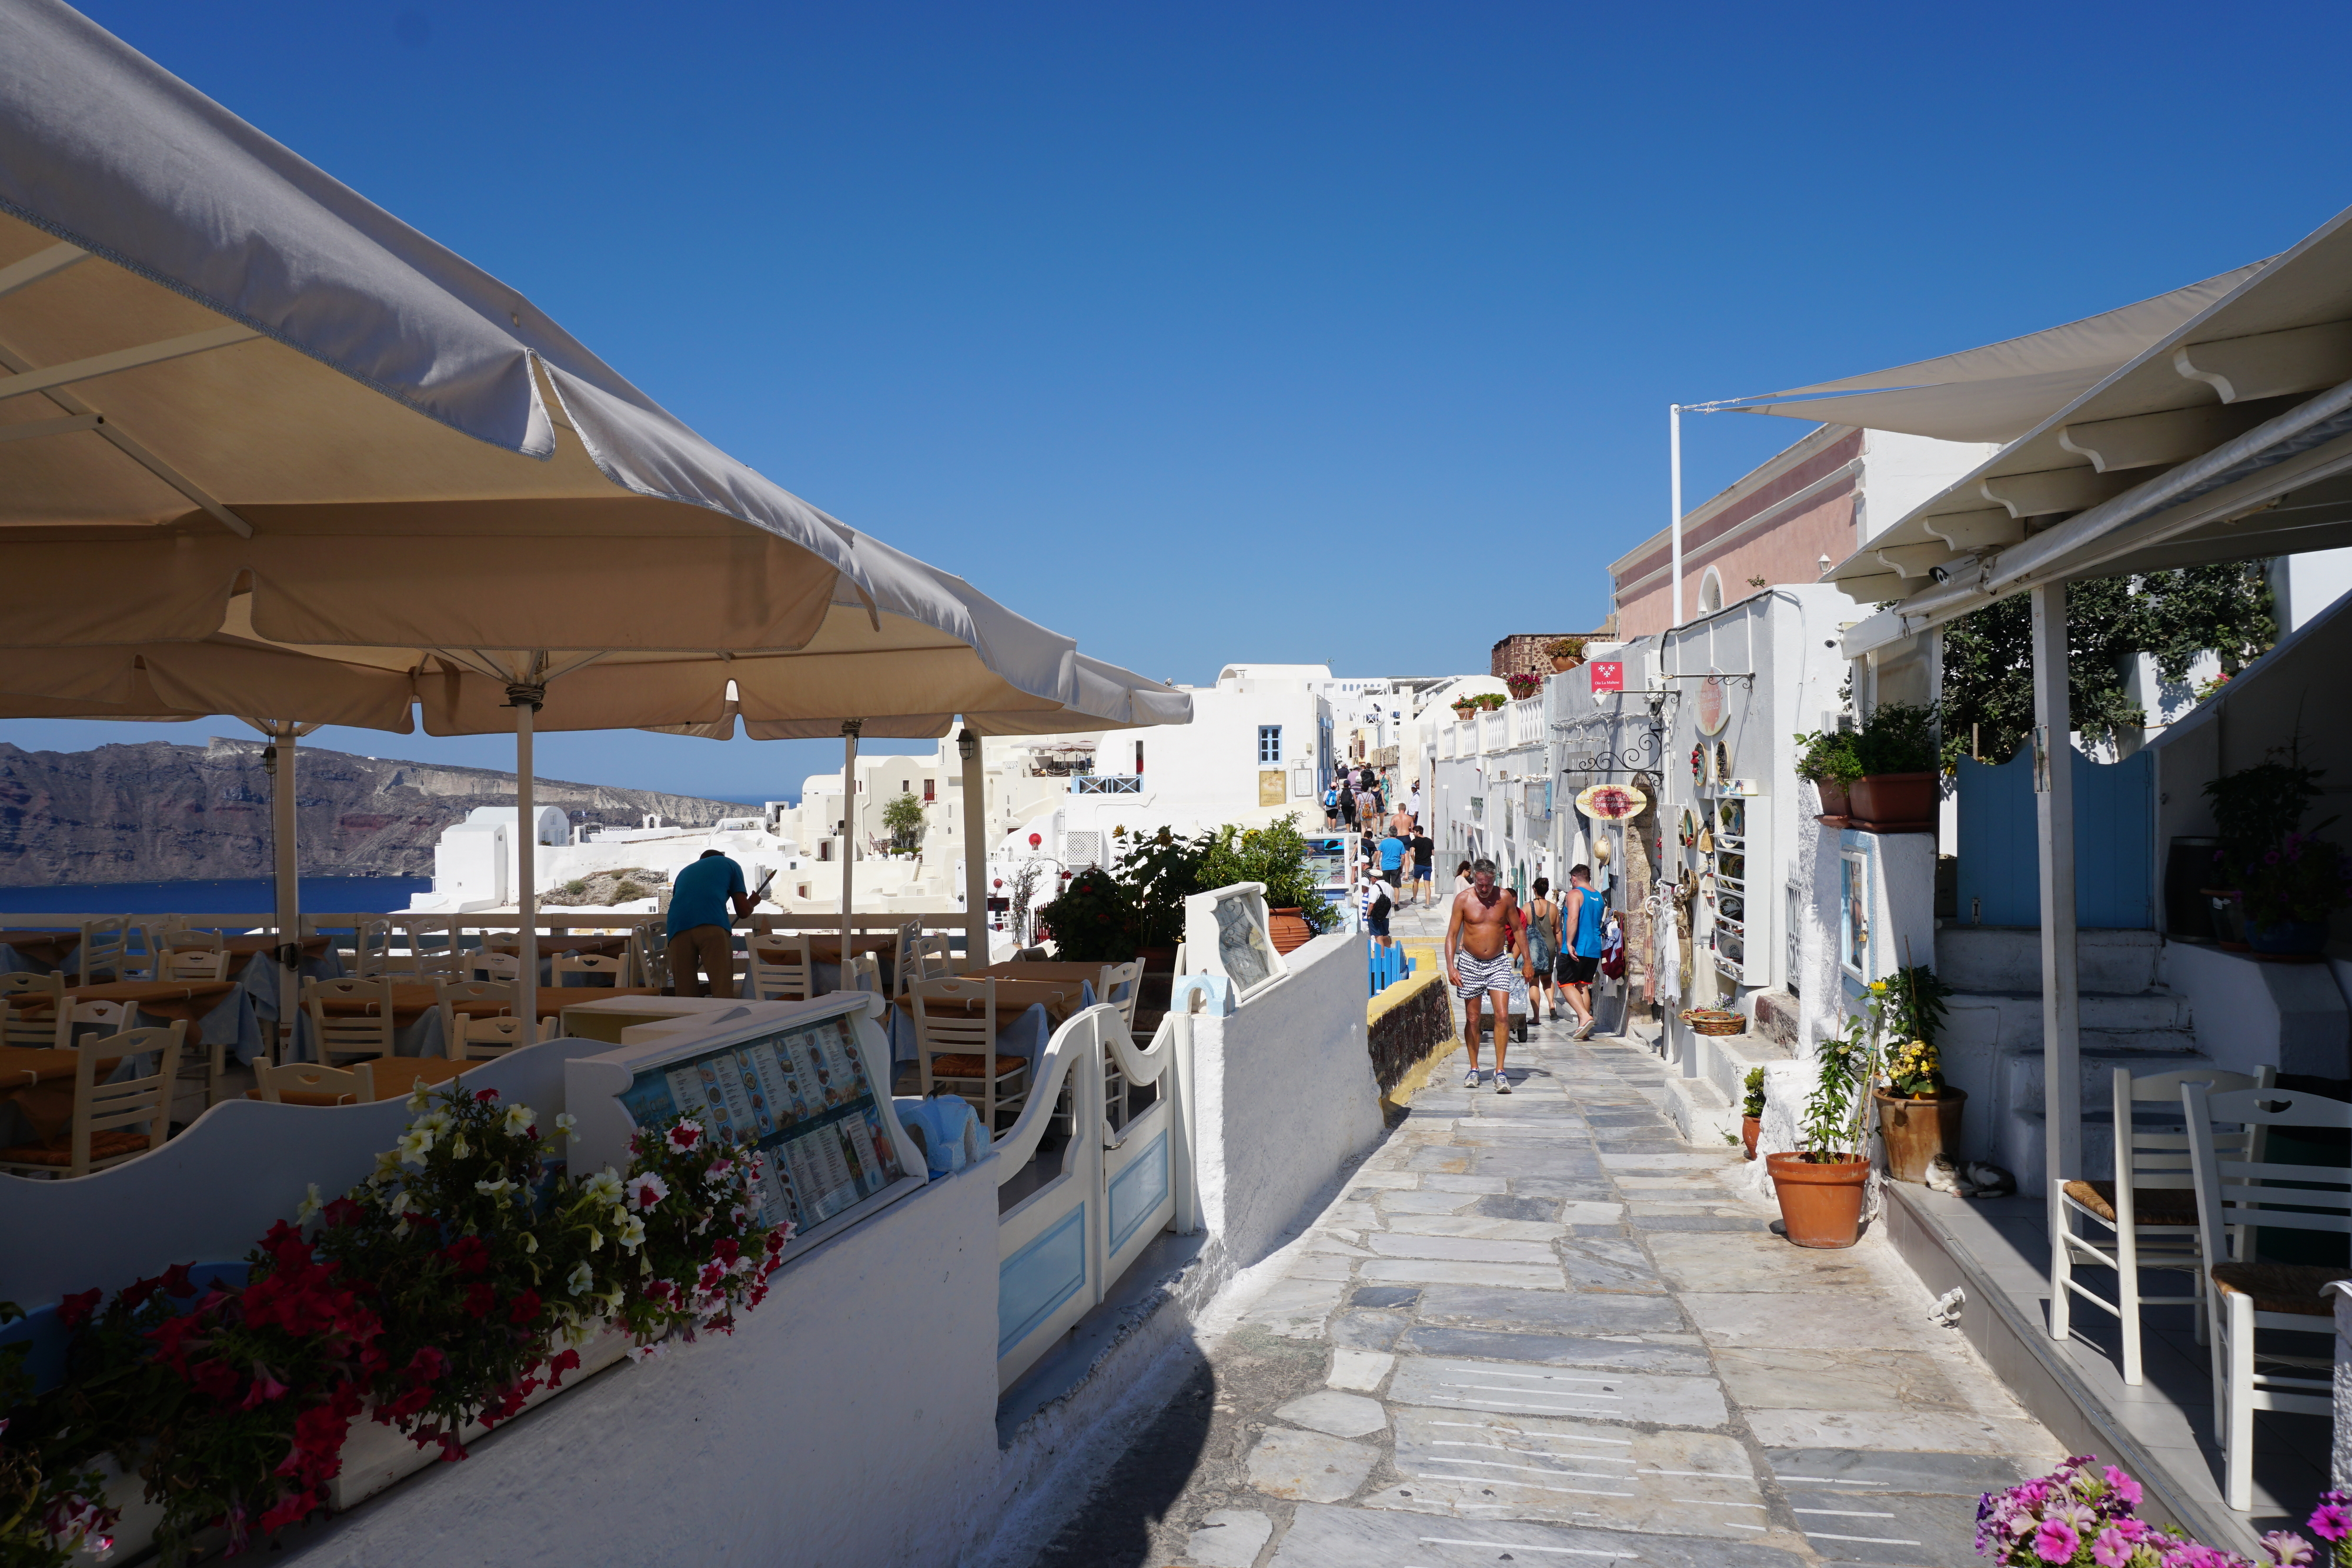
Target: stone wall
1406,1023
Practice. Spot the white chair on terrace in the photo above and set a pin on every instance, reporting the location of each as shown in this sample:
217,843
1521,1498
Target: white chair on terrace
504,968
105,947
955,1046
431,945
480,1038
2151,1216
103,1114
190,963
649,953
2247,1300
372,949
778,969
33,1014
614,966
363,1034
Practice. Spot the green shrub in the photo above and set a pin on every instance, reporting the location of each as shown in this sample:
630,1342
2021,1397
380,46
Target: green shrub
1897,738
1829,758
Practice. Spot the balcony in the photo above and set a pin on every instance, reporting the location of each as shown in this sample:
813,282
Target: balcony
1107,784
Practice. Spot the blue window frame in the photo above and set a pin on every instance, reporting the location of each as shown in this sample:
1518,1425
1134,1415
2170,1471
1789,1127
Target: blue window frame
1269,743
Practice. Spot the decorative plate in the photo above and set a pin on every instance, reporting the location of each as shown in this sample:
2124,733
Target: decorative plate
1687,828
1612,802
1698,763
1722,763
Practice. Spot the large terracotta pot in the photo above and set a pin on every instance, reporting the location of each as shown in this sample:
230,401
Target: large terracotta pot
1833,798
1820,1205
1916,1131
1561,666
1749,1127
1289,930
1906,800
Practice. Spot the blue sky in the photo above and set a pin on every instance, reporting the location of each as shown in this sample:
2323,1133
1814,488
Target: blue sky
1284,332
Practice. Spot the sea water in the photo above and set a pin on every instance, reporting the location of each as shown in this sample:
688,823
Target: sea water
256,895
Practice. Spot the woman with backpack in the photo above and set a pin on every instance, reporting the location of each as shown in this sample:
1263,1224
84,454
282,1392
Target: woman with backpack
1542,949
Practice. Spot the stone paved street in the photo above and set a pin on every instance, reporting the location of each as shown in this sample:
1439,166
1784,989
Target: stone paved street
1539,1327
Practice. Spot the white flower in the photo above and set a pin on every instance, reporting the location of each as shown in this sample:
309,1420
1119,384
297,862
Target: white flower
387,1166
310,1205
418,1100
494,1189
718,1170
440,1121
616,1216
582,1278
415,1143
399,1202
521,1119
685,1136
596,1239
647,1191
632,1234
605,1187
530,1242
457,1147
565,1122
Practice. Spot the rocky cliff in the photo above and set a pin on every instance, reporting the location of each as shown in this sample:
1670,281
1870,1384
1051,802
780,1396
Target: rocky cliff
160,812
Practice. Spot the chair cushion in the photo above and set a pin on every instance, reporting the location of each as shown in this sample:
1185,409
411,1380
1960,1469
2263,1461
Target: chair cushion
103,1146
2150,1205
2282,1287
972,1064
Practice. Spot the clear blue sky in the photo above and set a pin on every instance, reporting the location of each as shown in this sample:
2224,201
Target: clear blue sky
1279,332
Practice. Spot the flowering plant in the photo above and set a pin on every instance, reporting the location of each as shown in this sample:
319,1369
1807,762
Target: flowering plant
690,1208
468,1241
47,1515
231,1401
2301,877
2332,1522
2085,1519
1915,1071
1524,685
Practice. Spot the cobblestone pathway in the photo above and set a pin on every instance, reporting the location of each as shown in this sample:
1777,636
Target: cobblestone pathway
1539,1328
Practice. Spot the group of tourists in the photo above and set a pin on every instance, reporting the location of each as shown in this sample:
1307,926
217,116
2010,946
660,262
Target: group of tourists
1399,867
1553,946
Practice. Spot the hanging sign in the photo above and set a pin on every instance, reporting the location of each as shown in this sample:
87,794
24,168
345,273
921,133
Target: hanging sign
1608,674
1713,712
1612,802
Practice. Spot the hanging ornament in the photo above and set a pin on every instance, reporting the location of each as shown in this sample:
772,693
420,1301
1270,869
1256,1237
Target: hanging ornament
1698,763
1722,763
1612,802
1687,828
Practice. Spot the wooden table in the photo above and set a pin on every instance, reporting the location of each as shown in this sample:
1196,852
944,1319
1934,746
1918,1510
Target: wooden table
163,998
827,949
48,947
397,1077
1062,1001
609,946
1016,969
242,950
40,1085
412,1000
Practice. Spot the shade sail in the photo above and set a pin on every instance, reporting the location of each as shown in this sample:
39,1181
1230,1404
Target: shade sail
244,409
2001,391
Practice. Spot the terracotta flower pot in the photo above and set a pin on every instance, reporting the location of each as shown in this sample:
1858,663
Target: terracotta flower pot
1820,1205
1561,666
1905,799
1288,929
1917,1131
1749,1127
1834,802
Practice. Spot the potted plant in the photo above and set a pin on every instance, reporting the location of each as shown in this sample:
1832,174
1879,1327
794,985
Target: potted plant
1820,1186
1490,701
1275,856
1897,790
1751,1109
1523,685
2274,885
1464,708
2289,892
1830,763
1918,1113
1565,652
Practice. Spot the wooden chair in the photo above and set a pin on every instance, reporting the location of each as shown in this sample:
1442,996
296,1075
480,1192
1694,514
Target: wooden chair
2251,1299
350,1033
307,1083
105,945
778,969
2151,1216
614,964
1119,985
955,1048
432,945
372,949
480,1038
33,1014
190,963
110,1017
649,953
103,1114
452,992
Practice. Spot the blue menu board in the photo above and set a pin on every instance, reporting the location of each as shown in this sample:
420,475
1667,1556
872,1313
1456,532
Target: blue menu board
801,1097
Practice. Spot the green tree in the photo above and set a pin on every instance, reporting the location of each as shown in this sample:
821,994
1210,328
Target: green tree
2174,615
903,815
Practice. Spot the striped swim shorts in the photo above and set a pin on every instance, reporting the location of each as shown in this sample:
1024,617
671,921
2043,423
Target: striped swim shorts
1480,975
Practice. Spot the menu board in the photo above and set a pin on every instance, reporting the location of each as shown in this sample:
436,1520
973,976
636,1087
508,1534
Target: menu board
799,1096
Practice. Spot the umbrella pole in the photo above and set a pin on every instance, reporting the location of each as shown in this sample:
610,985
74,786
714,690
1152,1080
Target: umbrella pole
849,730
975,852
285,851
526,700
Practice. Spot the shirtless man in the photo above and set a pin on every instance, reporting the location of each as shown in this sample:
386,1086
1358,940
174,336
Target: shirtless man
1479,936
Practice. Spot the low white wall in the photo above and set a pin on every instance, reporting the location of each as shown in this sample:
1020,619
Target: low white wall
2249,1014
1284,1094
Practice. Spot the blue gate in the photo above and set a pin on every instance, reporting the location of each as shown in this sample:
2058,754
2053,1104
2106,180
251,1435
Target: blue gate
2114,854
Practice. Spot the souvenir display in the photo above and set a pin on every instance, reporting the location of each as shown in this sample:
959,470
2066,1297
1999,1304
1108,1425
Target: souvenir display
1713,710
1722,763
1706,842
1734,816
1687,830
1612,802
1698,763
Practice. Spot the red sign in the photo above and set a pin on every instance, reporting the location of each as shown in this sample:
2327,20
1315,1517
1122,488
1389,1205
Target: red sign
1608,674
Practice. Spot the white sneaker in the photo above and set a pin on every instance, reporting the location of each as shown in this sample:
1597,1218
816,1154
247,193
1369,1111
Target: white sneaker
1586,1032
1502,1084
1470,1080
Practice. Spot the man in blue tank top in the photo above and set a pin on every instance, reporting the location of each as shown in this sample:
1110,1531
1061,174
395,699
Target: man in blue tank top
1579,955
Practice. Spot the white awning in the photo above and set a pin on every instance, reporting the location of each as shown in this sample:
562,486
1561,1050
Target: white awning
2001,391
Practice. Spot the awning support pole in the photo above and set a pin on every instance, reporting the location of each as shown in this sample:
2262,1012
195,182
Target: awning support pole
287,855
1675,503
2053,801
975,851
525,698
849,729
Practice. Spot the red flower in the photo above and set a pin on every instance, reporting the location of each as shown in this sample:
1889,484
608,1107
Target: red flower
480,1298
171,1336
265,1387
485,1096
134,1295
726,1249
216,1379
74,1311
289,1509
343,1212
468,1254
407,1404
524,1308
175,1281
567,1361
427,1365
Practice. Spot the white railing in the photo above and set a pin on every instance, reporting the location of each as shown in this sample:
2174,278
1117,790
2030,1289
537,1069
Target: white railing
1494,731
1526,721
1061,1248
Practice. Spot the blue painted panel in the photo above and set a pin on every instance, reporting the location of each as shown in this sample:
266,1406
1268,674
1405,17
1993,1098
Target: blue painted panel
1138,1190
1036,1280
2115,821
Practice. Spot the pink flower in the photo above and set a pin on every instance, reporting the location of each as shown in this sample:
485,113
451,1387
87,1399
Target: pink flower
2125,1490
2331,1520
2289,1550
2111,1550
684,1136
646,1190
2056,1541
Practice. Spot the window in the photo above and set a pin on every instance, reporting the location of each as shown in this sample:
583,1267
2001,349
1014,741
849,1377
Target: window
1269,743
1854,913
1710,592
930,790
1139,756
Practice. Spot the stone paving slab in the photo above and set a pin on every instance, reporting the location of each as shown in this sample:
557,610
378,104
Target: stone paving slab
1542,1329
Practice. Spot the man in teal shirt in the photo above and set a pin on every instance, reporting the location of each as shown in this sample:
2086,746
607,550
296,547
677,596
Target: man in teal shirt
700,928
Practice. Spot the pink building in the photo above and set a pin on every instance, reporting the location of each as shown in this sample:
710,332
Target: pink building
1821,496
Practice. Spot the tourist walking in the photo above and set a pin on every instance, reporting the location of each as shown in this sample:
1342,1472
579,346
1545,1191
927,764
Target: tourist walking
1479,936
1580,957
1391,850
1413,803
1331,805
700,928
1424,868
1543,947
1373,904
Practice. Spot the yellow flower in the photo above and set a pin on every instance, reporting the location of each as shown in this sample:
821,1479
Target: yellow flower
1878,988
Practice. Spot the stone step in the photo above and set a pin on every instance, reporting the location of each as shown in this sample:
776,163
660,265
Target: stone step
2019,1080
2014,1017
2008,958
